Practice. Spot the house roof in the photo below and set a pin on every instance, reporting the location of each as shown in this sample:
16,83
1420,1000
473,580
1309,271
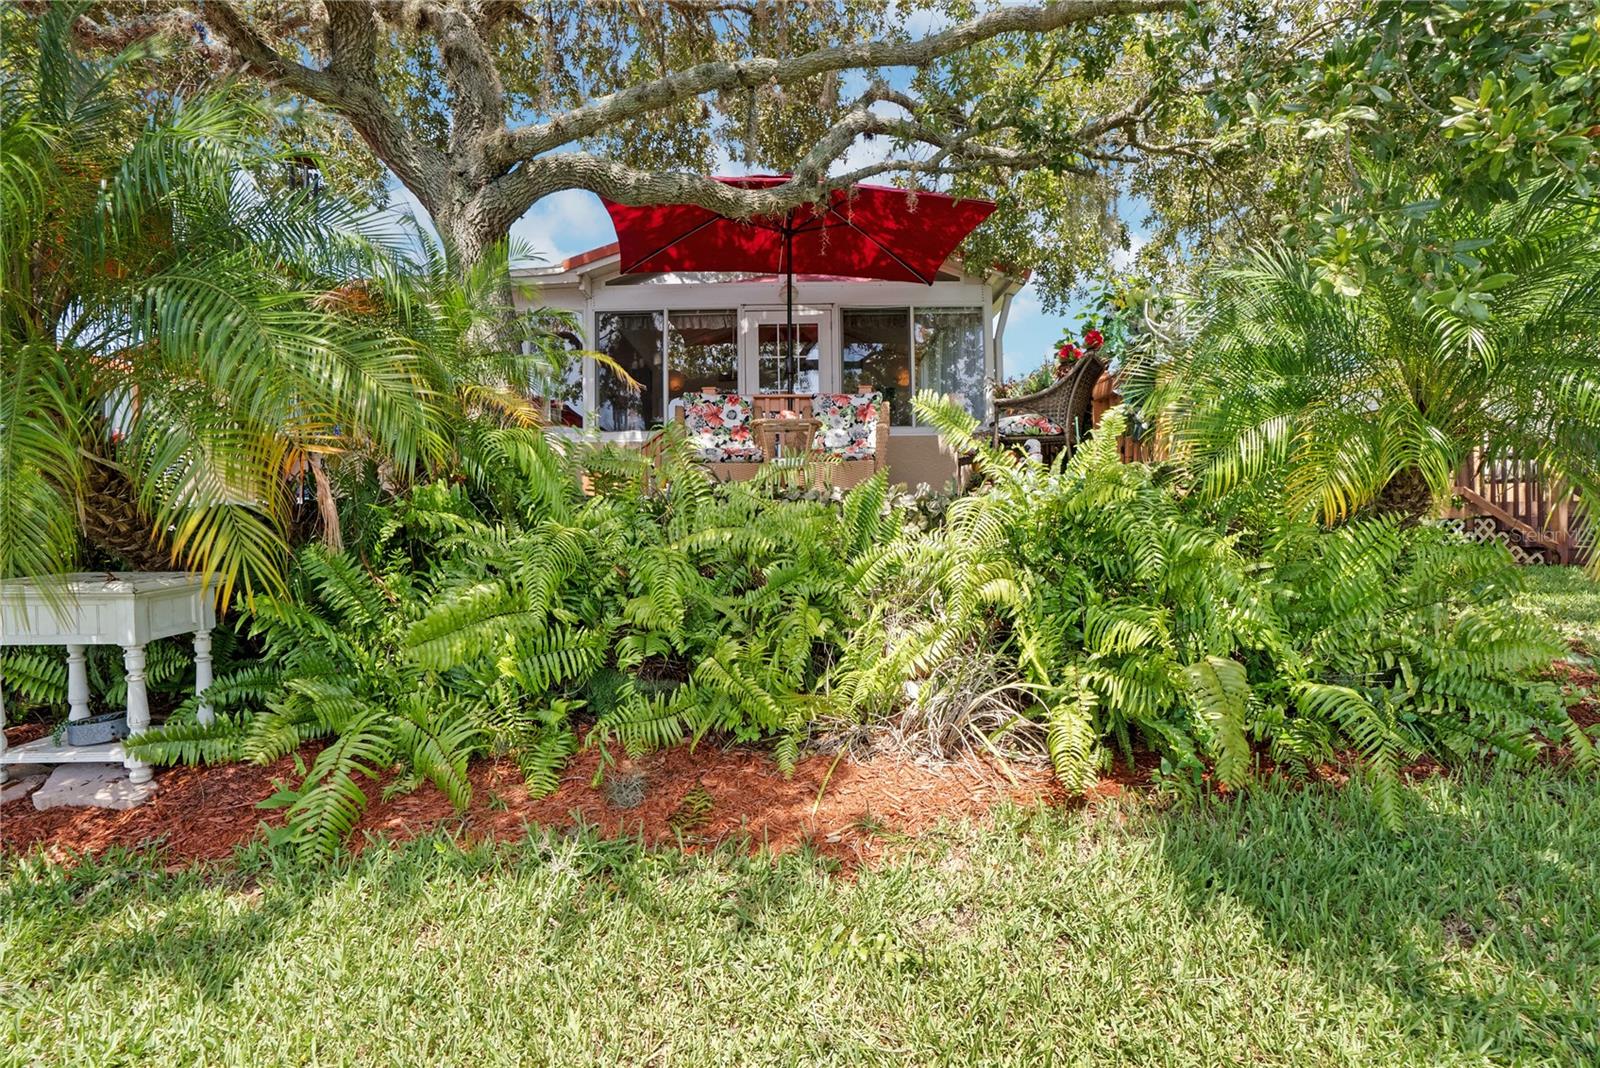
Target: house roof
600,257
583,259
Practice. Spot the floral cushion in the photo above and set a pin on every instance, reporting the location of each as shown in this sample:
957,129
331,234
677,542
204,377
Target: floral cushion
1026,425
849,424
719,427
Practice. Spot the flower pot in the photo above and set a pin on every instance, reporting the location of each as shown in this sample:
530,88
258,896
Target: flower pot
97,730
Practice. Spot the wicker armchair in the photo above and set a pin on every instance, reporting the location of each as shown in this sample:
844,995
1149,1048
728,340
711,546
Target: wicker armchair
1069,404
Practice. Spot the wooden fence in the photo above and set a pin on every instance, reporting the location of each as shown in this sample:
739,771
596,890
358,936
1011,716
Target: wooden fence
1538,519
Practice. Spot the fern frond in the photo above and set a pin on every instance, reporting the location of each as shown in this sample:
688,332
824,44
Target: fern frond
1222,691
331,801
437,741
190,742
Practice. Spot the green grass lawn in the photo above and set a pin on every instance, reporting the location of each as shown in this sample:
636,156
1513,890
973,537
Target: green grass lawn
1282,929
1569,598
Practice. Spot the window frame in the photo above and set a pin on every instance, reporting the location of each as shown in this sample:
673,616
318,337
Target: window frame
911,311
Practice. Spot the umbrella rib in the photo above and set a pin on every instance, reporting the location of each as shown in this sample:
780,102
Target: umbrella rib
886,249
683,236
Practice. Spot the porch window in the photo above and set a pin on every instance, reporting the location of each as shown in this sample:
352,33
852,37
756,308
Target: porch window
702,352
561,383
949,354
875,350
633,340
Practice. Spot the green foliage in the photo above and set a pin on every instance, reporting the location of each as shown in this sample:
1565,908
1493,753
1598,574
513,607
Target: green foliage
677,611
1328,124
156,250
36,676
1130,616
1373,394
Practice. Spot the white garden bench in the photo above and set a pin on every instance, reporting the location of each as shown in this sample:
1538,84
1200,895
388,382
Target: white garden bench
125,608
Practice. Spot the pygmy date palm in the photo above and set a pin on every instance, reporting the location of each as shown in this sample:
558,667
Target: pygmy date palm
186,333
1369,392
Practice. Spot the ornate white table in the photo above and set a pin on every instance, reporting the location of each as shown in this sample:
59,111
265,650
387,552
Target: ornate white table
126,608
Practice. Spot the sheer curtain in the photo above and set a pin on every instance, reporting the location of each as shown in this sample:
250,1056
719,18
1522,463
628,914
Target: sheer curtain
949,354
633,339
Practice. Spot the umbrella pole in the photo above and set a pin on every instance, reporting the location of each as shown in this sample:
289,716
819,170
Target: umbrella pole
790,370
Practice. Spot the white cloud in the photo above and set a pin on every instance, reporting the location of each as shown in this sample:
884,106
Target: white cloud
1122,259
563,224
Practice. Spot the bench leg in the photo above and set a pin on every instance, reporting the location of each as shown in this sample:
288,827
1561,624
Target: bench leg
202,674
77,684
138,709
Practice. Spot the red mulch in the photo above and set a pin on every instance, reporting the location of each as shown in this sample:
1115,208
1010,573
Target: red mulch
203,813
1584,685
198,813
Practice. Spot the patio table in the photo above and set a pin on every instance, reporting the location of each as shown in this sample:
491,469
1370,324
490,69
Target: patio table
124,608
781,437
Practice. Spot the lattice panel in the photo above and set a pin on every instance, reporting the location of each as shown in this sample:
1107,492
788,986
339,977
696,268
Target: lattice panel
1482,528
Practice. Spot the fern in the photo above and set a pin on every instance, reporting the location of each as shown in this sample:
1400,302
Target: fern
330,800
187,741
1136,617
1222,692
436,743
37,676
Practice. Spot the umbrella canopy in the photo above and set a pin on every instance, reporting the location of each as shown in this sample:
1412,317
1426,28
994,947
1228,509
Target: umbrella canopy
866,231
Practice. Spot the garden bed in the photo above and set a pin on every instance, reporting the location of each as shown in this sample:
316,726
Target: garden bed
706,796
700,797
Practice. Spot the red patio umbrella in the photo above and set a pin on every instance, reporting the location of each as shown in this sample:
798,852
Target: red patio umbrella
866,231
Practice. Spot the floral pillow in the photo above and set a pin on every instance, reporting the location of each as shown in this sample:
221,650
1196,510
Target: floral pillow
849,424
719,427
1026,425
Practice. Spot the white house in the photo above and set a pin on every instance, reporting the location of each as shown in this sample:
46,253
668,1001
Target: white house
679,333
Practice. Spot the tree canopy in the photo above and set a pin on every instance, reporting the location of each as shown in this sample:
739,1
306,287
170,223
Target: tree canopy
481,109
1209,126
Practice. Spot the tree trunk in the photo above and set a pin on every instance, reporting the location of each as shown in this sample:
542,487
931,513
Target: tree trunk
327,508
114,523
1406,495
468,231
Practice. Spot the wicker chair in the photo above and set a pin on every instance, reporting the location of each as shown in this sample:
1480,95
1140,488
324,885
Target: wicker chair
1069,404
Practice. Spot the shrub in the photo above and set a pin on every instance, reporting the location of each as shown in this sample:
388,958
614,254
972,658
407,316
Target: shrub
1131,616
669,605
